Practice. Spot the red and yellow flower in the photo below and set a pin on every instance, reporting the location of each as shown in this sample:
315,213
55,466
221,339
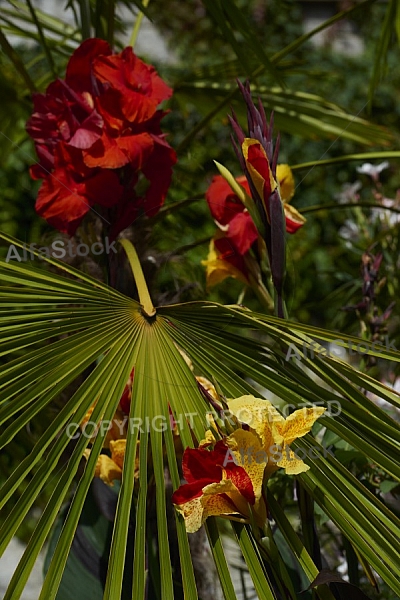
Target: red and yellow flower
225,478
214,486
237,232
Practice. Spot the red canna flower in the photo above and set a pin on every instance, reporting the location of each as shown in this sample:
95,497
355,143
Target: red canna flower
101,124
68,194
232,217
215,486
258,157
230,214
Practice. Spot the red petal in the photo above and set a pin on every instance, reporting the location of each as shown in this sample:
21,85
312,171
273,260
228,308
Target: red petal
125,401
88,132
189,491
198,463
111,153
260,163
236,473
222,201
242,232
124,213
141,88
158,170
61,201
292,226
79,70
227,251
104,188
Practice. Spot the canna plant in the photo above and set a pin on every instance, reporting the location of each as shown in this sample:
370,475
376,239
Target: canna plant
150,421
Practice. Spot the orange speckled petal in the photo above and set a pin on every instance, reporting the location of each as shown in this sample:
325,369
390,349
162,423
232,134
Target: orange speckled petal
249,453
298,423
259,414
212,502
291,464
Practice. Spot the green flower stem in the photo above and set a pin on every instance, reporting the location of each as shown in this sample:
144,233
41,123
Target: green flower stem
144,296
135,31
262,293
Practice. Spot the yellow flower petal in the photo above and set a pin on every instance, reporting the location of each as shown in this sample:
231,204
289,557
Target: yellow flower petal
215,502
212,503
286,182
209,440
258,414
107,470
193,513
298,423
250,454
117,449
276,432
290,462
116,429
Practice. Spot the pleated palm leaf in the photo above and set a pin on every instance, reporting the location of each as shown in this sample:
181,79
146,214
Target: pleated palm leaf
63,325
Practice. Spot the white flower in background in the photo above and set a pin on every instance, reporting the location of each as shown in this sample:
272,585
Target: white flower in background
372,170
387,217
348,193
350,232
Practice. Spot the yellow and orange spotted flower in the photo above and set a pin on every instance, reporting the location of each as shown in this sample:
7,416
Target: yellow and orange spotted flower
216,485
109,468
275,433
227,478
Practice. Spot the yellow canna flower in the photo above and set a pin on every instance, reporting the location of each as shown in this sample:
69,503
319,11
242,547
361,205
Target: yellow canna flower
109,468
274,432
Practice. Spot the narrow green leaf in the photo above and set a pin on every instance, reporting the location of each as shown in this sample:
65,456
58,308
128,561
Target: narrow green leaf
218,553
296,545
364,156
16,61
43,40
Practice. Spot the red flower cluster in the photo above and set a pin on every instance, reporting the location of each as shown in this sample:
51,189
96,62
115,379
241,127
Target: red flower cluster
96,135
